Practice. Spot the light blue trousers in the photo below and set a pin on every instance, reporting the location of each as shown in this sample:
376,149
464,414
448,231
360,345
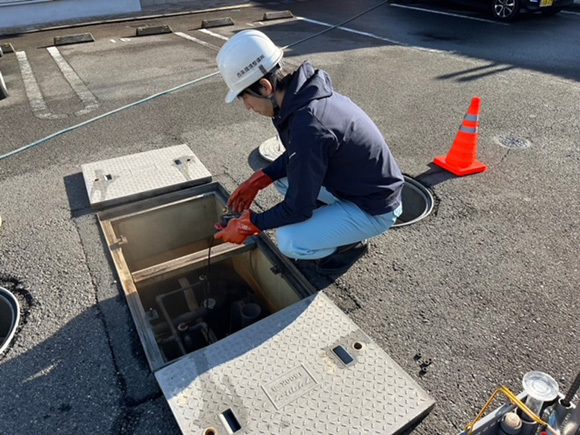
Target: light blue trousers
336,224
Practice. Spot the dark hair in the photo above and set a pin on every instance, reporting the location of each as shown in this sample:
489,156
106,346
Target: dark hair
278,76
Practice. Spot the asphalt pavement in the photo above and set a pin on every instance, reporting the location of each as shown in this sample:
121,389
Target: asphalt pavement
486,286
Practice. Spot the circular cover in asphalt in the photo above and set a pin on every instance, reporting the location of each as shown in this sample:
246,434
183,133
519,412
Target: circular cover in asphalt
3,90
271,149
9,317
417,200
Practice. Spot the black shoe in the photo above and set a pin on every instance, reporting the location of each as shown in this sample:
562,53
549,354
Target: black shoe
342,259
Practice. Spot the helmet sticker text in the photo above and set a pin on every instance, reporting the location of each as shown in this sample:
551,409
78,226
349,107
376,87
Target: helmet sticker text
251,65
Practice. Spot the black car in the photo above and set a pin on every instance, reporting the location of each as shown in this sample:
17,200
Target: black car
506,10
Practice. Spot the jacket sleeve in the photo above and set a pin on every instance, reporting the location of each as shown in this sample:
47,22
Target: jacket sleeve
307,155
277,169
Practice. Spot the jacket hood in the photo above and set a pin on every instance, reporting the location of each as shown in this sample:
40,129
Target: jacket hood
307,84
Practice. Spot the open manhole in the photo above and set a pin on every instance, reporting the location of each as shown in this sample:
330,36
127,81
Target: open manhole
417,203
9,317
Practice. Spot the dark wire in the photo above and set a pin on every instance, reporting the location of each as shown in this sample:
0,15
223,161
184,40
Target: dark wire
335,26
207,286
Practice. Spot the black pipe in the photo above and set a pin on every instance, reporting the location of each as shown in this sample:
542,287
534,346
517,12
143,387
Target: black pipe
571,391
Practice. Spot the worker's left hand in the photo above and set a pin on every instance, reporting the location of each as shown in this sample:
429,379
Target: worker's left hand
244,195
238,229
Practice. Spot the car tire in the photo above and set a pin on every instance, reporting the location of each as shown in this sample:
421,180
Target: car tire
505,10
3,90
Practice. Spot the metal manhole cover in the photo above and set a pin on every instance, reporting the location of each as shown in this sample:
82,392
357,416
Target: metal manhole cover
417,203
513,142
3,90
9,317
271,149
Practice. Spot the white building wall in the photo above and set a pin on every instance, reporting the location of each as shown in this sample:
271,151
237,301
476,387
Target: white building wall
33,14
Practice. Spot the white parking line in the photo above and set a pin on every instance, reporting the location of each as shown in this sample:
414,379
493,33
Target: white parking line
448,14
370,35
37,103
85,95
570,13
346,29
199,41
209,32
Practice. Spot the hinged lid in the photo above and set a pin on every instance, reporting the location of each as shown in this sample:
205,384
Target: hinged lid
306,369
143,175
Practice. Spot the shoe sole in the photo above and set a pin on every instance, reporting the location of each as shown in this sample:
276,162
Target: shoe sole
329,271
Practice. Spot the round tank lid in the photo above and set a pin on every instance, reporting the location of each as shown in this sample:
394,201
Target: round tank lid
9,317
540,386
271,149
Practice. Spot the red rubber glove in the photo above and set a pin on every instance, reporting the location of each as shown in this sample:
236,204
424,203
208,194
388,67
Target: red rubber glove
244,195
238,230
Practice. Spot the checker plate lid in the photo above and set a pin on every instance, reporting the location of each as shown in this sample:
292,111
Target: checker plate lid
282,375
143,175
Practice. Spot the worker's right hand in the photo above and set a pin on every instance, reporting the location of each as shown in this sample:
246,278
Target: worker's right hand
238,229
244,195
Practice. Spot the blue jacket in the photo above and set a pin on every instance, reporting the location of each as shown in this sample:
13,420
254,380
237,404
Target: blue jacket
329,142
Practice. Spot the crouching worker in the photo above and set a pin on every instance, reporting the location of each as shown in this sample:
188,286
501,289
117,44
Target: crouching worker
340,182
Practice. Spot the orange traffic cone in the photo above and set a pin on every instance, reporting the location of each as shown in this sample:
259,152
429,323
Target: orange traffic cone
462,158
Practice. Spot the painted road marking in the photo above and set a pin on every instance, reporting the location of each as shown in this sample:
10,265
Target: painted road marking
448,14
34,94
199,41
346,29
209,32
86,96
369,35
37,103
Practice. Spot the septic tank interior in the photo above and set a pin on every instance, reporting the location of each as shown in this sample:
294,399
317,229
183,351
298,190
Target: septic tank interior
186,289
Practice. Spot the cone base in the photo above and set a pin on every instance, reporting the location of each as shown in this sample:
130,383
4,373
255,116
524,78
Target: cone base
473,168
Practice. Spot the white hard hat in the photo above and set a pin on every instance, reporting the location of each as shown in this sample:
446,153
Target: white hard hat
245,59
